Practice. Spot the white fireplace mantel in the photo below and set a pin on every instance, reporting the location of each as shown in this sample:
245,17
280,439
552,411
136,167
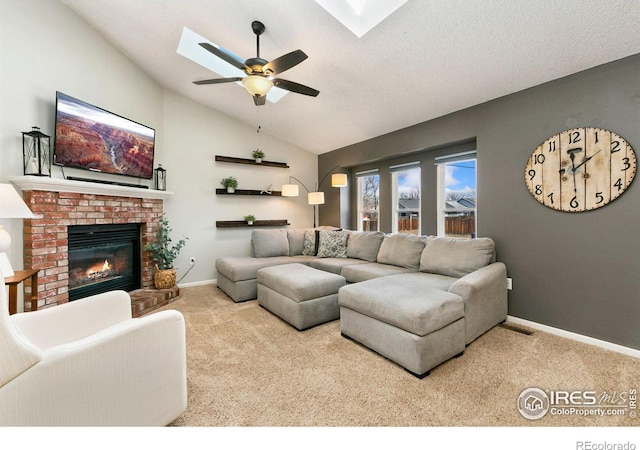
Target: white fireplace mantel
33,183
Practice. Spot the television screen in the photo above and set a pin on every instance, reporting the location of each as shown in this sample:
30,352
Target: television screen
88,137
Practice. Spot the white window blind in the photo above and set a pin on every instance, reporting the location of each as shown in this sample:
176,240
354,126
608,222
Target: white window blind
367,173
454,157
405,166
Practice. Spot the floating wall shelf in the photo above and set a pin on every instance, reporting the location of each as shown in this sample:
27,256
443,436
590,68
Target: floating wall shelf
248,192
257,223
230,159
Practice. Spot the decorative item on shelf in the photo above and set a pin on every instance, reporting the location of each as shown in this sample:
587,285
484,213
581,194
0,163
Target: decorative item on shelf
258,155
162,253
36,153
250,219
231,183
316,197
160,178
11,207
267,190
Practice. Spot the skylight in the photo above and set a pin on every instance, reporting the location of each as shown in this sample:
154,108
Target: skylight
189,48
360,16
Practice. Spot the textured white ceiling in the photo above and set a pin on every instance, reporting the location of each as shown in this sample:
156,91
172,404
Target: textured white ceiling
428,59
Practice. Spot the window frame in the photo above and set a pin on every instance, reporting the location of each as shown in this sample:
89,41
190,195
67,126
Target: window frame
360,176
441,163
394,171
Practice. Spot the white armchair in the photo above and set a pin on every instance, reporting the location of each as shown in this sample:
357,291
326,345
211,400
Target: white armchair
89,363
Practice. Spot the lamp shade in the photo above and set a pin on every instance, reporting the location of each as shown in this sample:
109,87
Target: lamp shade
11,204
257,85
11,207
315,198
290,190
339,180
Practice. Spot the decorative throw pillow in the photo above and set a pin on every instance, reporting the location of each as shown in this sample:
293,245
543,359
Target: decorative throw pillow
333,244
309,246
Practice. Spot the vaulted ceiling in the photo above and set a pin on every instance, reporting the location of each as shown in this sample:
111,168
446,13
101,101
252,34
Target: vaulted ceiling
427,59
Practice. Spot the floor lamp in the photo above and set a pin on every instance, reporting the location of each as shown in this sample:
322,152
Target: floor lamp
11,207
314,197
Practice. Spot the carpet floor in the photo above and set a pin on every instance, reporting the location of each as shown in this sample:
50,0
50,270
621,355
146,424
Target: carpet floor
246,367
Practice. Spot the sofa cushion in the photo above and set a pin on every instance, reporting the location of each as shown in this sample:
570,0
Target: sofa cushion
265,243
364,245
241,268
456,257
296,241
334,265
332,244
404,301
356,273
402,250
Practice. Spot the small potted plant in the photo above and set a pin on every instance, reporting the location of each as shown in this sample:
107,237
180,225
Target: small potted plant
258,155
250,219
230,183
162,253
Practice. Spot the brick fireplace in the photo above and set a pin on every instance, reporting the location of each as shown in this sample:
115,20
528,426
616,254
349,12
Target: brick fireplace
60,204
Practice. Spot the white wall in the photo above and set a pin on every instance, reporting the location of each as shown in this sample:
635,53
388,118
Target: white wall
193,135
45,47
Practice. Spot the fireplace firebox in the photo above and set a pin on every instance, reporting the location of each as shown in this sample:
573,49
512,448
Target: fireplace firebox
103,258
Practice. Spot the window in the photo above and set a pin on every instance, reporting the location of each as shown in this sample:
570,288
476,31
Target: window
405,185
368,200
457,200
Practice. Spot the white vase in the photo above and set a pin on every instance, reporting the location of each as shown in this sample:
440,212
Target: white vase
250,222
230,190
258,160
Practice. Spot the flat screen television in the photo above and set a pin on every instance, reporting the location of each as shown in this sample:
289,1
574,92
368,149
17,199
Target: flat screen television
91,138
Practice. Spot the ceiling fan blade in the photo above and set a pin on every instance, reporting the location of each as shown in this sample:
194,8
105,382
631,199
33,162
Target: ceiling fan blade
285,62
218,80
295,87
225,56
259,100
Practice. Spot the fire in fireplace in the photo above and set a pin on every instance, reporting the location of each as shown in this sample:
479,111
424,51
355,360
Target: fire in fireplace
103,258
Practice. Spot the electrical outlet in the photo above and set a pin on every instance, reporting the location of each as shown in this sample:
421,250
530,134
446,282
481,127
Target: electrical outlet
509,284
192,260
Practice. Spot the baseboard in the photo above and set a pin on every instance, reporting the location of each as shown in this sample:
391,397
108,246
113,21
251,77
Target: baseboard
576,337
197,283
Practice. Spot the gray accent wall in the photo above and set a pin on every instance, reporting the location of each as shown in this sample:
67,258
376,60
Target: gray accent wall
579,272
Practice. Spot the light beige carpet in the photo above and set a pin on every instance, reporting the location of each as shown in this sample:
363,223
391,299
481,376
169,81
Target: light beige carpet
246,367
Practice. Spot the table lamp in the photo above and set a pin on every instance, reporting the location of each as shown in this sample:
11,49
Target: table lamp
11,207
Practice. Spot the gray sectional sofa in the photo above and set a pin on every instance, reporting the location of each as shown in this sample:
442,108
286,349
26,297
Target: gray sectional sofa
417,300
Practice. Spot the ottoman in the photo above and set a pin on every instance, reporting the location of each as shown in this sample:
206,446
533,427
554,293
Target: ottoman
300,295
413,324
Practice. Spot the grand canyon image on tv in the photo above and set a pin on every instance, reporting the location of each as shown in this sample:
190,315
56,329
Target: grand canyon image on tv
92,138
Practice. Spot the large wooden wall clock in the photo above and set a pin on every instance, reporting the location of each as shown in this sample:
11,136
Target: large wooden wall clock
580,169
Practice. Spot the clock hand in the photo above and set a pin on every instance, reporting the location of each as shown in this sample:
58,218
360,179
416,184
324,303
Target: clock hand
573,170
587,159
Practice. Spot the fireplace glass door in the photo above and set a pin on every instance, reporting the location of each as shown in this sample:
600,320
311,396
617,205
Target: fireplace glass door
103,258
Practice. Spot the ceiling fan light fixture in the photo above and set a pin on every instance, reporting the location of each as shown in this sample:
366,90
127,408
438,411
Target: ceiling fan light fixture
257,85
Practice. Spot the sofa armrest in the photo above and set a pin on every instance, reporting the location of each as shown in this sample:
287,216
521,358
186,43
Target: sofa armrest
484,292
75,320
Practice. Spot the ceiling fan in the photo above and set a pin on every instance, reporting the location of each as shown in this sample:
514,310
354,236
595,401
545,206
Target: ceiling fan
260,72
